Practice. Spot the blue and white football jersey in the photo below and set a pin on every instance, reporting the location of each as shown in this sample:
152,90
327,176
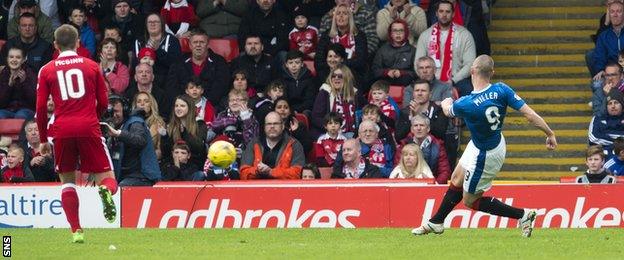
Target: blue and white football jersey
484,113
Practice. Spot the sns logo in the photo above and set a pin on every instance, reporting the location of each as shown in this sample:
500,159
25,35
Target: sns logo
6,246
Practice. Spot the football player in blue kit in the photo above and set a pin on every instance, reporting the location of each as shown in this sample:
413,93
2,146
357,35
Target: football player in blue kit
484,112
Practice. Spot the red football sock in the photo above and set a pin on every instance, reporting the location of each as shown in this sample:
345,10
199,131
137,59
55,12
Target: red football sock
111,184
70,202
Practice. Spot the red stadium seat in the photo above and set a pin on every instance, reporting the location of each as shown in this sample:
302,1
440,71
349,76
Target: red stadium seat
11,128
302,118
326,172
2,42
396,92
184,45
310,65
228,48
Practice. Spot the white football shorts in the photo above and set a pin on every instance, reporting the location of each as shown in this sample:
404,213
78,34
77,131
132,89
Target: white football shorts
481,166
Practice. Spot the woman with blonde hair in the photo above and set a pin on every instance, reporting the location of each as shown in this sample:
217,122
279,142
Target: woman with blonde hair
338,94
155,123
183,126
412,164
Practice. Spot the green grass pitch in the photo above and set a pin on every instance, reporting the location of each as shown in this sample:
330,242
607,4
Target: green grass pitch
318,244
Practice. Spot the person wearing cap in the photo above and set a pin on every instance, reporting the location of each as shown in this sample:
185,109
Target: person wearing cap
221,18
613,80
132,25
147,55
303,37
394,61
44,24
604,129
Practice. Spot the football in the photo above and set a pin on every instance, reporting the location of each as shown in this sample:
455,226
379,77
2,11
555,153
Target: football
222,153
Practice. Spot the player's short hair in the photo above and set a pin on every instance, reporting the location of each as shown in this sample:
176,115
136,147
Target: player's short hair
371,109
65,37
381,85
420,118
484,65
333,117
595,149
614,64
618,146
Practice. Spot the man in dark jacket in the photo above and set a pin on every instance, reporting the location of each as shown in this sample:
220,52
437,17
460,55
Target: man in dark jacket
44,24
300,88
132,25
259,65
132,139
210,67
42,167
421,104
38,51
270,23
353,165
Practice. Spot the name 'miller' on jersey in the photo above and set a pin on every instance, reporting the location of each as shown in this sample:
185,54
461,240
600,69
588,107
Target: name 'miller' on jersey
79,93
484,113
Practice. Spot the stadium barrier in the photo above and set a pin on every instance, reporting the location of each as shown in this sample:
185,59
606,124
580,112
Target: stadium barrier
303,204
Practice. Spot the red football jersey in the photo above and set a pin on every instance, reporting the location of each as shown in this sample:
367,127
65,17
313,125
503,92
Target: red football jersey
79,93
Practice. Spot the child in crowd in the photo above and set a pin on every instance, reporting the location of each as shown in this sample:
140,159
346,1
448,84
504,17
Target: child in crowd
237,123
87,36
240,83
180,169
15,170
204,109
412,164
179,16
379,97
299,82
373,113
596,173
328,145
147,55
303,37
310,172
273,91
615,164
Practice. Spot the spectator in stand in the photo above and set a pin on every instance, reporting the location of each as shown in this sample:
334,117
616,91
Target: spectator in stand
300,88
183,125
116,73
179,16
303,37
329,144
81,50
375,151
353,165
411,13
338,94
604,129
96,10
364,19
595,173
263,106
131,25
165,44
422,105
221,18
274,154
271,24
394,61
425,69
313,9
373,113
612,80
210,67
412,164
43,24
258,64
432,148
38,51
343,31
41,166
469,14
155,123
292,126
15,170
236,123
608,41
147,55
615,164
239,82
452,48
181,169
87,36
379,97
203,109
144,82
18,84
114,33
310,172
325,62
133,154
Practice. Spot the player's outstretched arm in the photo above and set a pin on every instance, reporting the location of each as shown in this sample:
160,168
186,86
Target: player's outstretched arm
446,104
537,121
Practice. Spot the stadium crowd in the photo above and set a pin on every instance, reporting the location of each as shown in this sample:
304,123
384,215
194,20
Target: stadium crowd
315,84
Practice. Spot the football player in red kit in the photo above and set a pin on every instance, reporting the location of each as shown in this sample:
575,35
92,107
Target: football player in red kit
80,96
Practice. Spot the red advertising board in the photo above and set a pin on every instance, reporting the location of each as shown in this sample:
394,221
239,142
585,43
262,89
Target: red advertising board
350,205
